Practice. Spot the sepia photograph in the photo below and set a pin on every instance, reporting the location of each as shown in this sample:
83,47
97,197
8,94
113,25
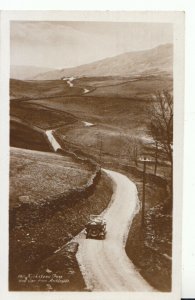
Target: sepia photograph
91,176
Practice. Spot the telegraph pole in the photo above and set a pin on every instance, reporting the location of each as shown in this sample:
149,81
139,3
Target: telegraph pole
156,157
143,196
100,152
144,160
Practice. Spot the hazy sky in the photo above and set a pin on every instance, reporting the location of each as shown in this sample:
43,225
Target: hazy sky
68,44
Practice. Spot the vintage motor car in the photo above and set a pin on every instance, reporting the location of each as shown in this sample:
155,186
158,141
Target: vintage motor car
96,227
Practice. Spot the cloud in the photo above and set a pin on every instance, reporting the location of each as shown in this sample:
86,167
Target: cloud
66,44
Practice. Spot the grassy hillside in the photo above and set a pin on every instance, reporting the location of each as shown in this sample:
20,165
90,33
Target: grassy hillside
134,88
115,119
122,113
36,175
40,116
99,81
22,136
114,101
41,88
89,138
109,86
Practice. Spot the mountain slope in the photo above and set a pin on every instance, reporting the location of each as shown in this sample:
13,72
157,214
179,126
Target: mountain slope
26,72
153,61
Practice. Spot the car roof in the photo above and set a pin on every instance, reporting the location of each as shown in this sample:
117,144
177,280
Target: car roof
96,217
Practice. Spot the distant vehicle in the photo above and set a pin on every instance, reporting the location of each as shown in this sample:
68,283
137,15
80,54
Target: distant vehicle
96,227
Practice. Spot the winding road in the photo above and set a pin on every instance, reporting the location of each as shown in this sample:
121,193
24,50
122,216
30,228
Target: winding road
104,263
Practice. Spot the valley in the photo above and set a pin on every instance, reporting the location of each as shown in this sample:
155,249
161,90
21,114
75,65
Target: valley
99,118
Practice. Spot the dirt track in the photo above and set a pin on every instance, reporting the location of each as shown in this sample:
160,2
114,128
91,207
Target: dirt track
104,264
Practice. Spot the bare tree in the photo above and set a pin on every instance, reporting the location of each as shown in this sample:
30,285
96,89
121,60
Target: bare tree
134,149
161,124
